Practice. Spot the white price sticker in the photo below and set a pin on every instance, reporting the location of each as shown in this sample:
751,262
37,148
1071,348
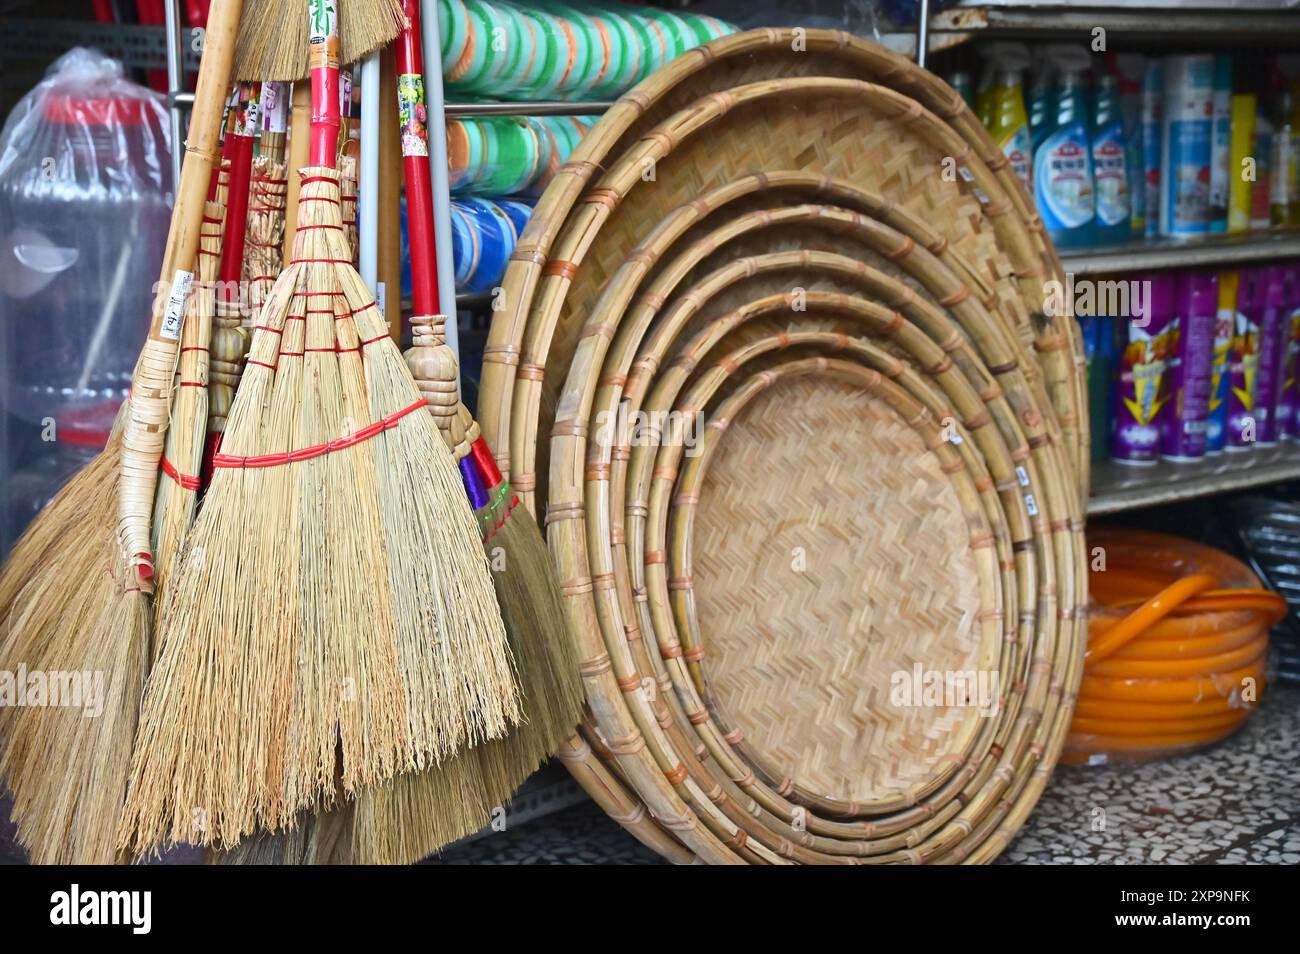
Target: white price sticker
174,315
1022,475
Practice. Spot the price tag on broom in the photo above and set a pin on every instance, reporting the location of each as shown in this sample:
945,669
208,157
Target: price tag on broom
180,293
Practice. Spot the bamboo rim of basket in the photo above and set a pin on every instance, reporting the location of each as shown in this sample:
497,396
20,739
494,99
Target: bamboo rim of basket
979,796
962,466
978,791
998,345
626,689
848,306
552,210
894,233
616,184
1069,497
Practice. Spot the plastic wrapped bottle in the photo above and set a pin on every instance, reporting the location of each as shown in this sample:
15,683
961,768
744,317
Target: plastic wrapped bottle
83,218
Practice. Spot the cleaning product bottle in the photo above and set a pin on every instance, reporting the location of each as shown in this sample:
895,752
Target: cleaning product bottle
1153,104
1261,193
1063,183
1284,204
984,89
1009,123
1127,68
1221,144
1185,146
1140,386
1216,429
1040,96
1240,186
1110,164
960,81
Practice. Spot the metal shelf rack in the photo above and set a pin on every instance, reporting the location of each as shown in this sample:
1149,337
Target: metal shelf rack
1120,487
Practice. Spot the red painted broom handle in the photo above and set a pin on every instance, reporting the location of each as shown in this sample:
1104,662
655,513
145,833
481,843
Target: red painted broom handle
323,34
415,163
238,147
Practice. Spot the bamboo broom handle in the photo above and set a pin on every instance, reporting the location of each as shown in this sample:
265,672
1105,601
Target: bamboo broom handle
299,137
146,423
390,196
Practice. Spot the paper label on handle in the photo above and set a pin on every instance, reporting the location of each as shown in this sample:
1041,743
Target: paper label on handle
174,315
274,101
323,34
413,115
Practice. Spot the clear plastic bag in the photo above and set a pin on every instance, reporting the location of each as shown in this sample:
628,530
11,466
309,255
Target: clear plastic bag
84,213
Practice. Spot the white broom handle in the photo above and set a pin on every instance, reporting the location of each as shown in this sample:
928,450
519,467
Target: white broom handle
438,169
368,186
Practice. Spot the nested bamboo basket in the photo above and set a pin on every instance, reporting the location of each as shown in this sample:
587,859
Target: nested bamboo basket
886,461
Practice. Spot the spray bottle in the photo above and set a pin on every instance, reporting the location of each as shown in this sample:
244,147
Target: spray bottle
1221,144
1009,123
1040,96
1127,68
959,80
1153,99
1240,186
1110,164
1216,430
1063,183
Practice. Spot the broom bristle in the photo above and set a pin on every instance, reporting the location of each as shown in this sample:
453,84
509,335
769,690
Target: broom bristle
419,813
66,764
272,42
340,599
59,529
549,674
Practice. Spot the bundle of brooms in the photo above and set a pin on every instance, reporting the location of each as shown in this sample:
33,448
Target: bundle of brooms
418,813
71,598
334,622
71,604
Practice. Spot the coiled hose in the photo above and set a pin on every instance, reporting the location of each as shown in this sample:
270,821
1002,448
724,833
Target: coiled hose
1177,647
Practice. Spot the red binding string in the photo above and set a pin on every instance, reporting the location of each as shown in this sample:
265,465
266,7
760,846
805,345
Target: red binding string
318,450
186,481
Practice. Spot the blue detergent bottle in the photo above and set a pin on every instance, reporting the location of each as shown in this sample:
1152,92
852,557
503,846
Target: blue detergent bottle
1110,167
1063,179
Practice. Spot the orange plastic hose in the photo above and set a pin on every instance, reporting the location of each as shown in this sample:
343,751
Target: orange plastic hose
1177,647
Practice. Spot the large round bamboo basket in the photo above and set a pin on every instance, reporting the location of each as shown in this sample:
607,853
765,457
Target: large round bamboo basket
970,162
855,345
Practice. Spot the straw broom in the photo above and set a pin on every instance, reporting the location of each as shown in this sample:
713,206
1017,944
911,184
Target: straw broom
81,607
273,43
419,813
268,194
333,593
177,497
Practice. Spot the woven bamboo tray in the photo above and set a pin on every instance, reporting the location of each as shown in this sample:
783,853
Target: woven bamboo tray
760,55
676,295
635,507
926,814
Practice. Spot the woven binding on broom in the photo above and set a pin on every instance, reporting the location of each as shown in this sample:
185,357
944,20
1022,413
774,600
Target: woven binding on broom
337,602
267,196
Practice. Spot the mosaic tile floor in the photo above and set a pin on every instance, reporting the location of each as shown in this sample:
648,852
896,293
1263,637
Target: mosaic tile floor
1236,803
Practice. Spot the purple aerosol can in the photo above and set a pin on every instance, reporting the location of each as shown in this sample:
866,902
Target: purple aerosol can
1289,408
1183,418
1243,366
1141,391
1268,301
